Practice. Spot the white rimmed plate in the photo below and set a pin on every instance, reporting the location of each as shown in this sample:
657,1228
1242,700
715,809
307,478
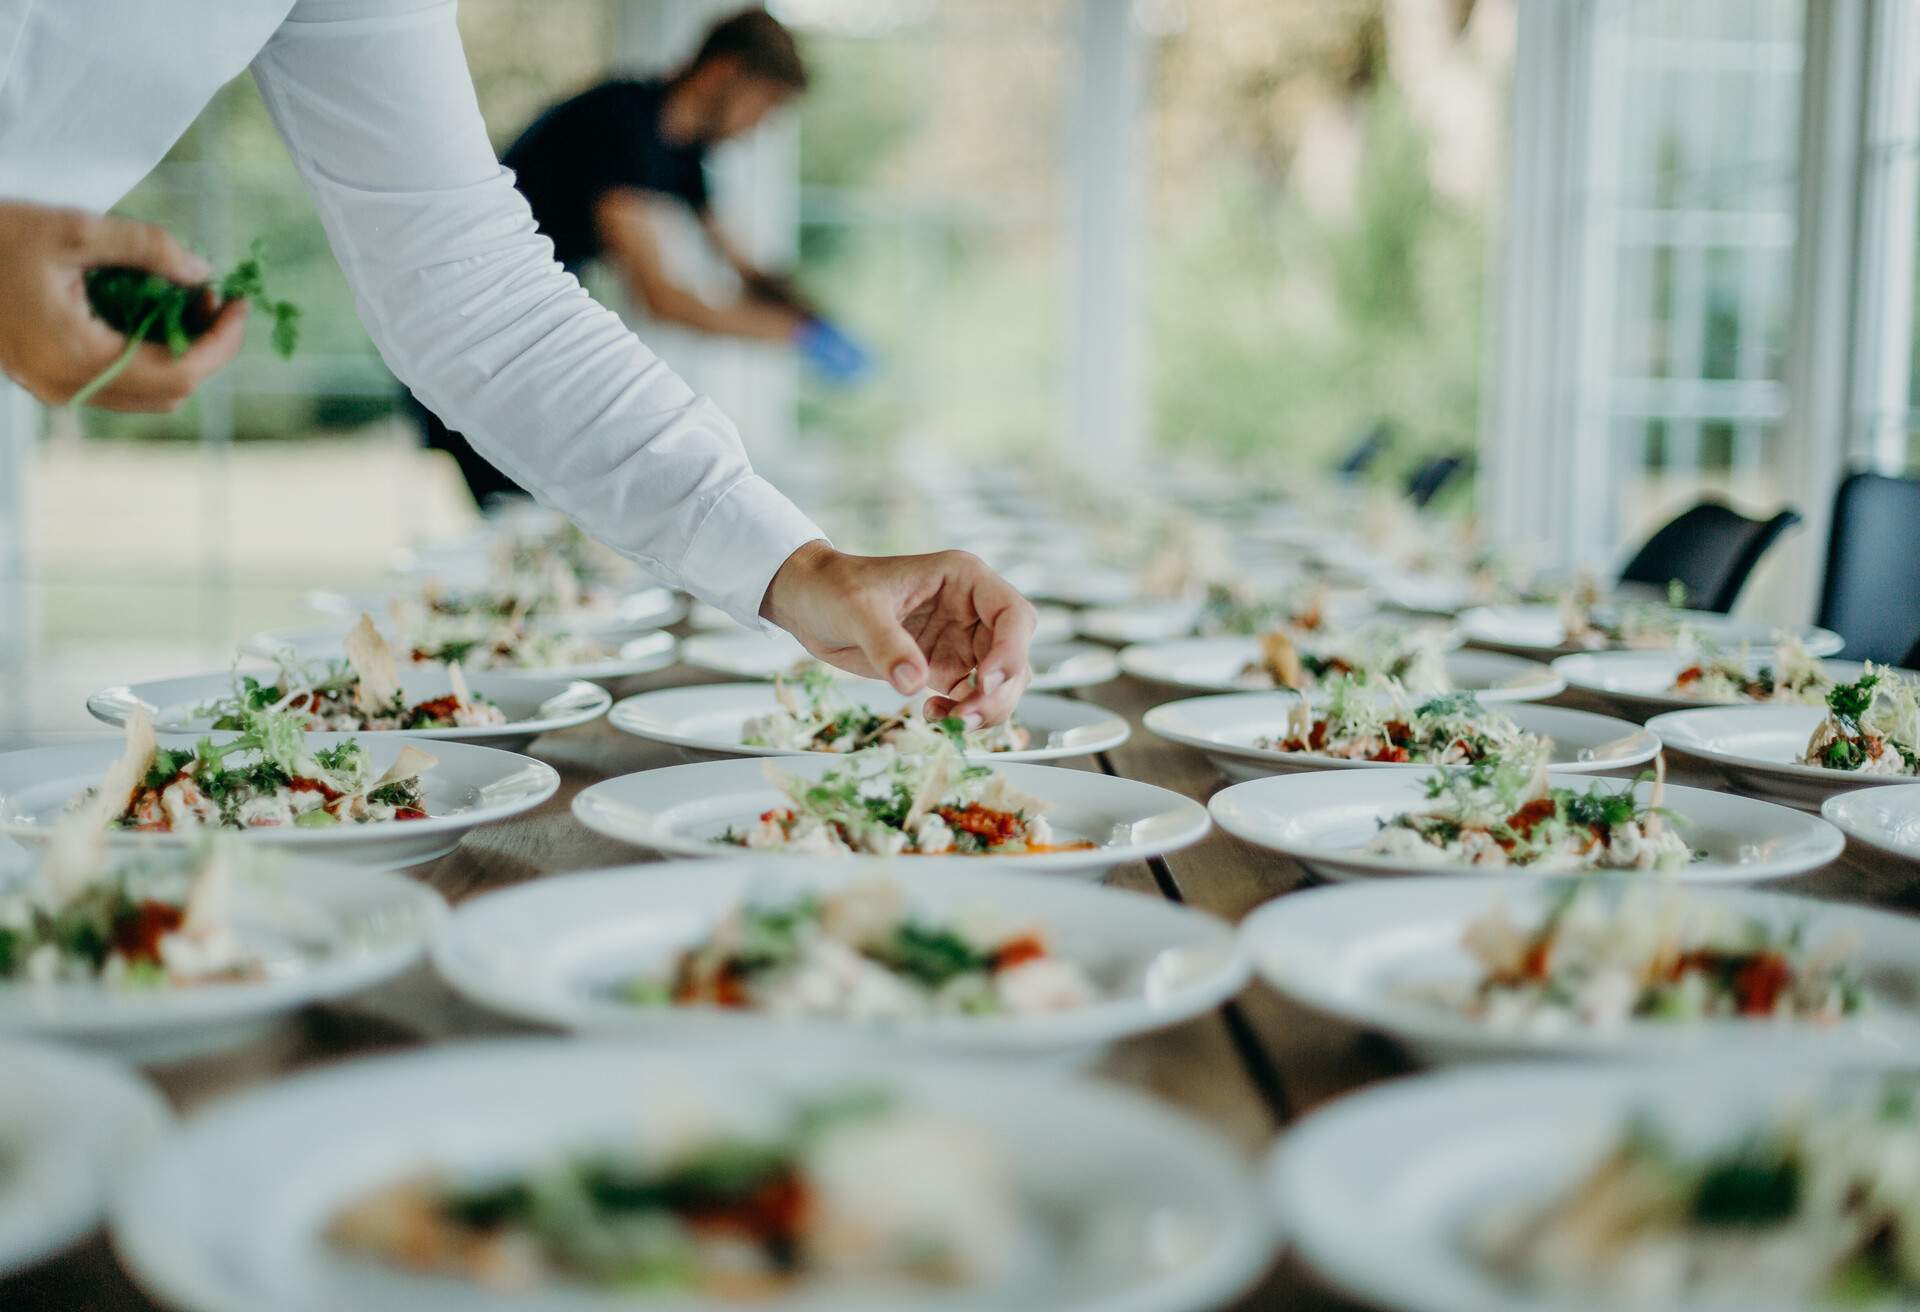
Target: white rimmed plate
230,1215
1073,585
1356,950
471,786
642,608
705,720
1324,821
631,652
1163,621
321,930
1218,665
683,809
554,951
1226,726
1756,747
69,1125
743,655
1640,682
1886,819
532,705
1410,1167
1536,630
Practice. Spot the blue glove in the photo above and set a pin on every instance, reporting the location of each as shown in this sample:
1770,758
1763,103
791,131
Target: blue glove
832,354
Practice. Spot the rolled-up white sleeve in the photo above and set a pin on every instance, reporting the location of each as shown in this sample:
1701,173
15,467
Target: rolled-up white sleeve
466,304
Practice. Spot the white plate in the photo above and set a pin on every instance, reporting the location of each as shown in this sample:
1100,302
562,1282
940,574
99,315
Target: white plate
1051,623
706,720
1352,951
532,705
1163,621
69,1124
1323,820
1755,747
635,652
1539,629
471,786
1886,819
1073,584
228,1216
1225,727
745,655
1638,682
682,809
1216,665
1407,1167
324,931
643,608
547,952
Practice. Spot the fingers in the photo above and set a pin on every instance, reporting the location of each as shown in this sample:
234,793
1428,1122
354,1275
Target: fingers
100,240
156,380
1001,674
888,647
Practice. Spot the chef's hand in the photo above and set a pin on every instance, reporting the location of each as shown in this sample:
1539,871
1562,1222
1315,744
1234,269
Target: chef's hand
915,621
52,344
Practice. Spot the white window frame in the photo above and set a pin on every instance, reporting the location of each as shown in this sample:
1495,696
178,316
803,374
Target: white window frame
1546,453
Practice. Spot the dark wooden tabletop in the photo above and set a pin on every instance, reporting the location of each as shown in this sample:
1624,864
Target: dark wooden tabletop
1248,1070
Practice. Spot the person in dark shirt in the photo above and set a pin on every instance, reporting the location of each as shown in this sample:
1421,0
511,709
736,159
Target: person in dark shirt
594,167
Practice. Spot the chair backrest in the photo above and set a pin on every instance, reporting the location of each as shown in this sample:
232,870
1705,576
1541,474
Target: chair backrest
1433,474
1372,444
1711,549
1871,596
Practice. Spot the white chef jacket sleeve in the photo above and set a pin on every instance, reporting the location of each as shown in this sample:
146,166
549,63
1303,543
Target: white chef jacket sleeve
467,306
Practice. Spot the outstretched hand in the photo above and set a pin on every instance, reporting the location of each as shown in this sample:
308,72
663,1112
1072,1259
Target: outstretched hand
942,621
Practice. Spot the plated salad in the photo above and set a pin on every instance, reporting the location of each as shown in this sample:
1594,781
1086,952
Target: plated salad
1233,610
1793,677
1605,956
1817,1208
146,924
888,804
1595,624
1410,656
818,718
858,953
499,645
1504,812
1376,720
360,693
1872,726
853,1193
264,776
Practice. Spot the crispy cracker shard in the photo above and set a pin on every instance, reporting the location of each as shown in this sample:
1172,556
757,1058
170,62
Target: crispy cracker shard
371,659
411,763
124,776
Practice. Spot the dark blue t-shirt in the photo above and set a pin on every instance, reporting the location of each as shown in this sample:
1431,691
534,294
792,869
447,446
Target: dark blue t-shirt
604,138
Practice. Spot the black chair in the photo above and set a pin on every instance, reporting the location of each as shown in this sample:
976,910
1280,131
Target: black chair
1433,474
1711,550
1871,596
1361,456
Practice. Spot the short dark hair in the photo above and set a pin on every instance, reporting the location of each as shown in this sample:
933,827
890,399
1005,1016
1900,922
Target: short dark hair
760,44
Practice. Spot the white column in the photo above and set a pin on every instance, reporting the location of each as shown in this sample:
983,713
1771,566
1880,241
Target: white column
20,418
1106,384
1889,187
1820,345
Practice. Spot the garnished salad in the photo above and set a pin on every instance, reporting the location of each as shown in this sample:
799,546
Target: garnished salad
1503,812
818,718
1606,956
888,804
858,953
265,776
1793,677
148,924
1598,625
359,693
1872,725
849,1194
1411,656
1230,609
1376,720
500,645
1816,1209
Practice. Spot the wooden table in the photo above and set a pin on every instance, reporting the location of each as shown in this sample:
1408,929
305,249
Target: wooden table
1248,1070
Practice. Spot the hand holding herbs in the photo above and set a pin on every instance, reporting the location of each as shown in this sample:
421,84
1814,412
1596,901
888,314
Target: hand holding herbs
52,342
147,307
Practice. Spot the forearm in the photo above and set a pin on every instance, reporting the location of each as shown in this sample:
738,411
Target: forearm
759,320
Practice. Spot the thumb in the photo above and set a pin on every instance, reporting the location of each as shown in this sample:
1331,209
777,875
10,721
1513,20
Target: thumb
890,649
115,241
